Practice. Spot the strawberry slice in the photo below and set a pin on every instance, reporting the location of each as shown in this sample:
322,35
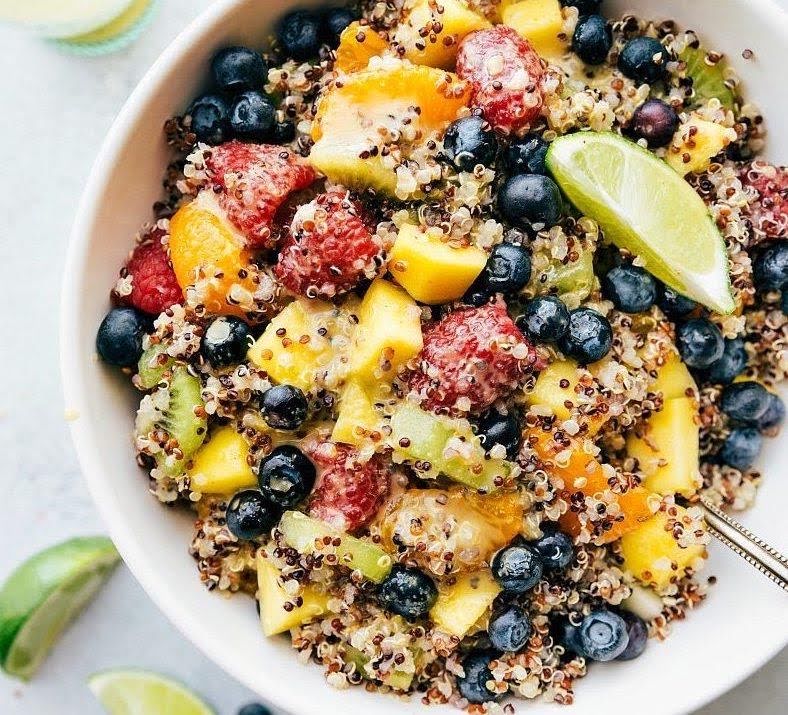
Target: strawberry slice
769,210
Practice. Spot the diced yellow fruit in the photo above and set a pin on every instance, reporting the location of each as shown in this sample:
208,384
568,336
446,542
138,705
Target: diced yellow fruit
273,597
549,392
674,379
388,333
424,46
695,143
462,604
430,269
357,45
668,451
538,21
357,417
220,466
653,555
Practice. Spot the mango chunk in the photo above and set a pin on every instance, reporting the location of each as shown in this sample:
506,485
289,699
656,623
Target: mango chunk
538,21
388,333
357,45
668,450
460,606
432,31
695,143
430,269
273,597
357,418
652,554
674,379
220,466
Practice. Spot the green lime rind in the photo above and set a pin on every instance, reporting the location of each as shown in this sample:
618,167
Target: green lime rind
645,207
125,691
44,594
707,81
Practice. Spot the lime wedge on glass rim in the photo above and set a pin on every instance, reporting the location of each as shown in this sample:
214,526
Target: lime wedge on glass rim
141,692
644,206
45,594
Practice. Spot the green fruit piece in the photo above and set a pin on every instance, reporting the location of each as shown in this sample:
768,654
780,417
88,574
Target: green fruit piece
140,692
152,369
398,680
301,532
708,81
644,206
46,593
572,282
420,436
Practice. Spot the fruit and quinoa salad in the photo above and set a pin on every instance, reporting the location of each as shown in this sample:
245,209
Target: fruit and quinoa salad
450,314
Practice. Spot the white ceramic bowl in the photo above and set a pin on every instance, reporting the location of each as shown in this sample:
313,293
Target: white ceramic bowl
744,620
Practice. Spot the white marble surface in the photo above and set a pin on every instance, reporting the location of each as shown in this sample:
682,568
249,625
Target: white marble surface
54,112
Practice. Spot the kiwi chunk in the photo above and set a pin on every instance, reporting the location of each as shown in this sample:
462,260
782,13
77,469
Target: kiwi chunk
708,81
396,679
152,368
572,281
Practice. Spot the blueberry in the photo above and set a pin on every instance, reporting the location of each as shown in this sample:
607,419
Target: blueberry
283,132
253,116
637,631
284,407
527,156
588,337
508,269
334,21
770,267
602,635
530,201
496,428
643,59
699,342
745,402
632,289
298,33
555,548
784,302
566,633
250,514
729,365
655,121
592,39
119,337
673,304
584,7
473,685
470,141
544,319
210,119
286,476
254,709
236,69
408,592
226,341
741,448
509,628
775,413
517,568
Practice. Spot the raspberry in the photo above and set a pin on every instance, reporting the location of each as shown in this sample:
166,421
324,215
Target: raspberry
471,358
252,181
506,74
349,492
154,287
769,211
329,248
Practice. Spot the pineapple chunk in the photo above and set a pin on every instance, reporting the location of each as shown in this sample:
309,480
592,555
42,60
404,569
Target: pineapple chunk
538,21
357,45
652,554
357,417
301,532
351,114
388,333
220,466
273,597
668,451
430,269
460,606
424,46
674,379
695,143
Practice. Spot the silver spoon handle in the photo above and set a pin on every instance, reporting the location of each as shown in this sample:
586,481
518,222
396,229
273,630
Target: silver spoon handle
754,550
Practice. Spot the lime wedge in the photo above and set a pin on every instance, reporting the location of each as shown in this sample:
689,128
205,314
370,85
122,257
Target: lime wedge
140,692
644,206
45,594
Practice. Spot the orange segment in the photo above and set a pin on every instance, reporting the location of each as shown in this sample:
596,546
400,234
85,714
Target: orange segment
357,44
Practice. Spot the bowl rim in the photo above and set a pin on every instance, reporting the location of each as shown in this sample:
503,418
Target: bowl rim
72,357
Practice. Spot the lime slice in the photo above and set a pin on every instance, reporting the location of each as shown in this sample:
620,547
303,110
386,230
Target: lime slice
140,692
644,206
45,594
